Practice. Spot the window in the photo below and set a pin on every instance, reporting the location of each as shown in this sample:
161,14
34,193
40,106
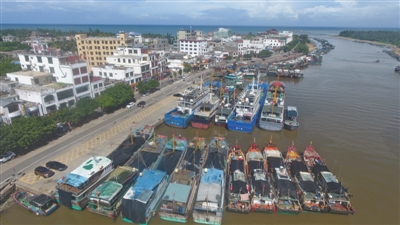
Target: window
123,60
85,79
127,75
131,73
129,51
75,71
36,80
41,68
135,51
39,59
100,74
129,60
119,60
65,94
83,69
26,58
52,70
13,108
111,75
82,89
101,85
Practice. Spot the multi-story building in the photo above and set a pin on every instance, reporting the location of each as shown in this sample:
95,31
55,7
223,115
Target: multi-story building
186,34
235,48
8,38
95,49
39,46
159,44
193,47
222,33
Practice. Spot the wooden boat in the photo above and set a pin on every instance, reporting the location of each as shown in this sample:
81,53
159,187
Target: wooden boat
238,193
312,198
263,193
106,198
209,205
41,204
291,118
178,199
273,156
311,157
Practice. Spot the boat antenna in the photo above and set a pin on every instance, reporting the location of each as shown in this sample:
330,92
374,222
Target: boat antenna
270,140
340,170
130,134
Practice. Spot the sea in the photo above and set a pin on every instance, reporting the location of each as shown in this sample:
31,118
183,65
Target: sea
349,107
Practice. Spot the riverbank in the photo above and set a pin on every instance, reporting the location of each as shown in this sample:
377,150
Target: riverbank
394,48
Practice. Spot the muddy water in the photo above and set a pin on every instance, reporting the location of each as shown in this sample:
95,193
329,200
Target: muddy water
349,108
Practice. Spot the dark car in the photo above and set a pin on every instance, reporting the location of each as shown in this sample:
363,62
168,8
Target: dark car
178,95
43,171
56,165
141,104
62,129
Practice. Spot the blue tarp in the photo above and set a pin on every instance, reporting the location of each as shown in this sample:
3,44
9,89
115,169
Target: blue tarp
212,176
214,84
149,179
73,180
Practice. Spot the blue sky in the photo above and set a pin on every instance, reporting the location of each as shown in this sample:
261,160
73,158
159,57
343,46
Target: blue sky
328,13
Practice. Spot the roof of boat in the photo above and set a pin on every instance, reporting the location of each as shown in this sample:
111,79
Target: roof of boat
81,174
121,173
273,153
254,155
106,190
329,177
40,200
212,175
292,108
180,143
282,173
177,192
145,184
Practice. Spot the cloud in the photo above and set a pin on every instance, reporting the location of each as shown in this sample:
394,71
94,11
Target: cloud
205,12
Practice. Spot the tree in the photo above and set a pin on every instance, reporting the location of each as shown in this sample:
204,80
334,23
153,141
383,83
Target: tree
302,48
152,84
115,97
264,53
180,72
7,66
247,56
186,67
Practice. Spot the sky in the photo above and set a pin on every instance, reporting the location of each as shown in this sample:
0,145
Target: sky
319,13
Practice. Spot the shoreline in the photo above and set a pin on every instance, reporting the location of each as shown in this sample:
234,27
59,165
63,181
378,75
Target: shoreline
394,48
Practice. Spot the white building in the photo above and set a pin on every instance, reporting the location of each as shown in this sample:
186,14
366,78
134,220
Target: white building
193,47
39,47
288,35
10,109
8,38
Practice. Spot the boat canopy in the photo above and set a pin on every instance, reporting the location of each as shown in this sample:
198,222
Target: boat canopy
297,167
260,183
106,191
147,182
41,200
291,113
286,188
177,192
274,162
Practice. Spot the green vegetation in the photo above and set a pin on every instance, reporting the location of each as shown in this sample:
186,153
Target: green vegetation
298,44
151,35
249,36
146,87
26,133
21,34
247,57
68,46
187,67
7,65
383,36
264,53
11,46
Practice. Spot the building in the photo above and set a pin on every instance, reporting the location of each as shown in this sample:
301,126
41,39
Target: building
193,47
187,34
9,110
235,48
95,49
39,47
160,44
8,38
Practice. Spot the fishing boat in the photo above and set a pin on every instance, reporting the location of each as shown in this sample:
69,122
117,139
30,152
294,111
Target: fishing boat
140,202
276,93
106,198
41,204
204,114
178,199
131,145
291,118
238,193
247,108
225,108
173,153
298,74
311,158
263,196
272,71
148,154
72,189
273,156
181,116
336,195
209,205
312,198
288,198
271,118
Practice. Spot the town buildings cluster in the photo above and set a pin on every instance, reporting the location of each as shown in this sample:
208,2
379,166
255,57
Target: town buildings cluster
51,79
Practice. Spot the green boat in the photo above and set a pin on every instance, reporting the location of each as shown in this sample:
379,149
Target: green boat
106,198
39,204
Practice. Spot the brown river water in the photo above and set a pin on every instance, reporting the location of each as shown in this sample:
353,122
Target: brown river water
348,107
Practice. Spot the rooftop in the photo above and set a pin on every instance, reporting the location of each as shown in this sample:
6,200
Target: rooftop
31,73
52,86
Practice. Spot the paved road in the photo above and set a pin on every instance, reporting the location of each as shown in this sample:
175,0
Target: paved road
40,156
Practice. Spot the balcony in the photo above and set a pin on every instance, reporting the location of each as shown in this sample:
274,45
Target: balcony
15,114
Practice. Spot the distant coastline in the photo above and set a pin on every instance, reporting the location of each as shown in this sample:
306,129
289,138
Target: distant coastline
394,48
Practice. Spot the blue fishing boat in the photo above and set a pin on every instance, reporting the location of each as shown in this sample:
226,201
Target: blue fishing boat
247,108
209,204
73,188
140,203
272,71
181,116
178,199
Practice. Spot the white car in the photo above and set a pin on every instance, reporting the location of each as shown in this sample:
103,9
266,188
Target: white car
130,105
7,156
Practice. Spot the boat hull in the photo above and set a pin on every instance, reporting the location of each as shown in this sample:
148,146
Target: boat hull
239,126
20,194
270,126
201,124
307,208
291,127
212,220
177,121
220,123
288,211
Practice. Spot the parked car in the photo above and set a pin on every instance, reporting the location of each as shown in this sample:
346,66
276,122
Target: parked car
7,156
56,165
130,105
61,129
141,104
43,171
145,94
177,95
